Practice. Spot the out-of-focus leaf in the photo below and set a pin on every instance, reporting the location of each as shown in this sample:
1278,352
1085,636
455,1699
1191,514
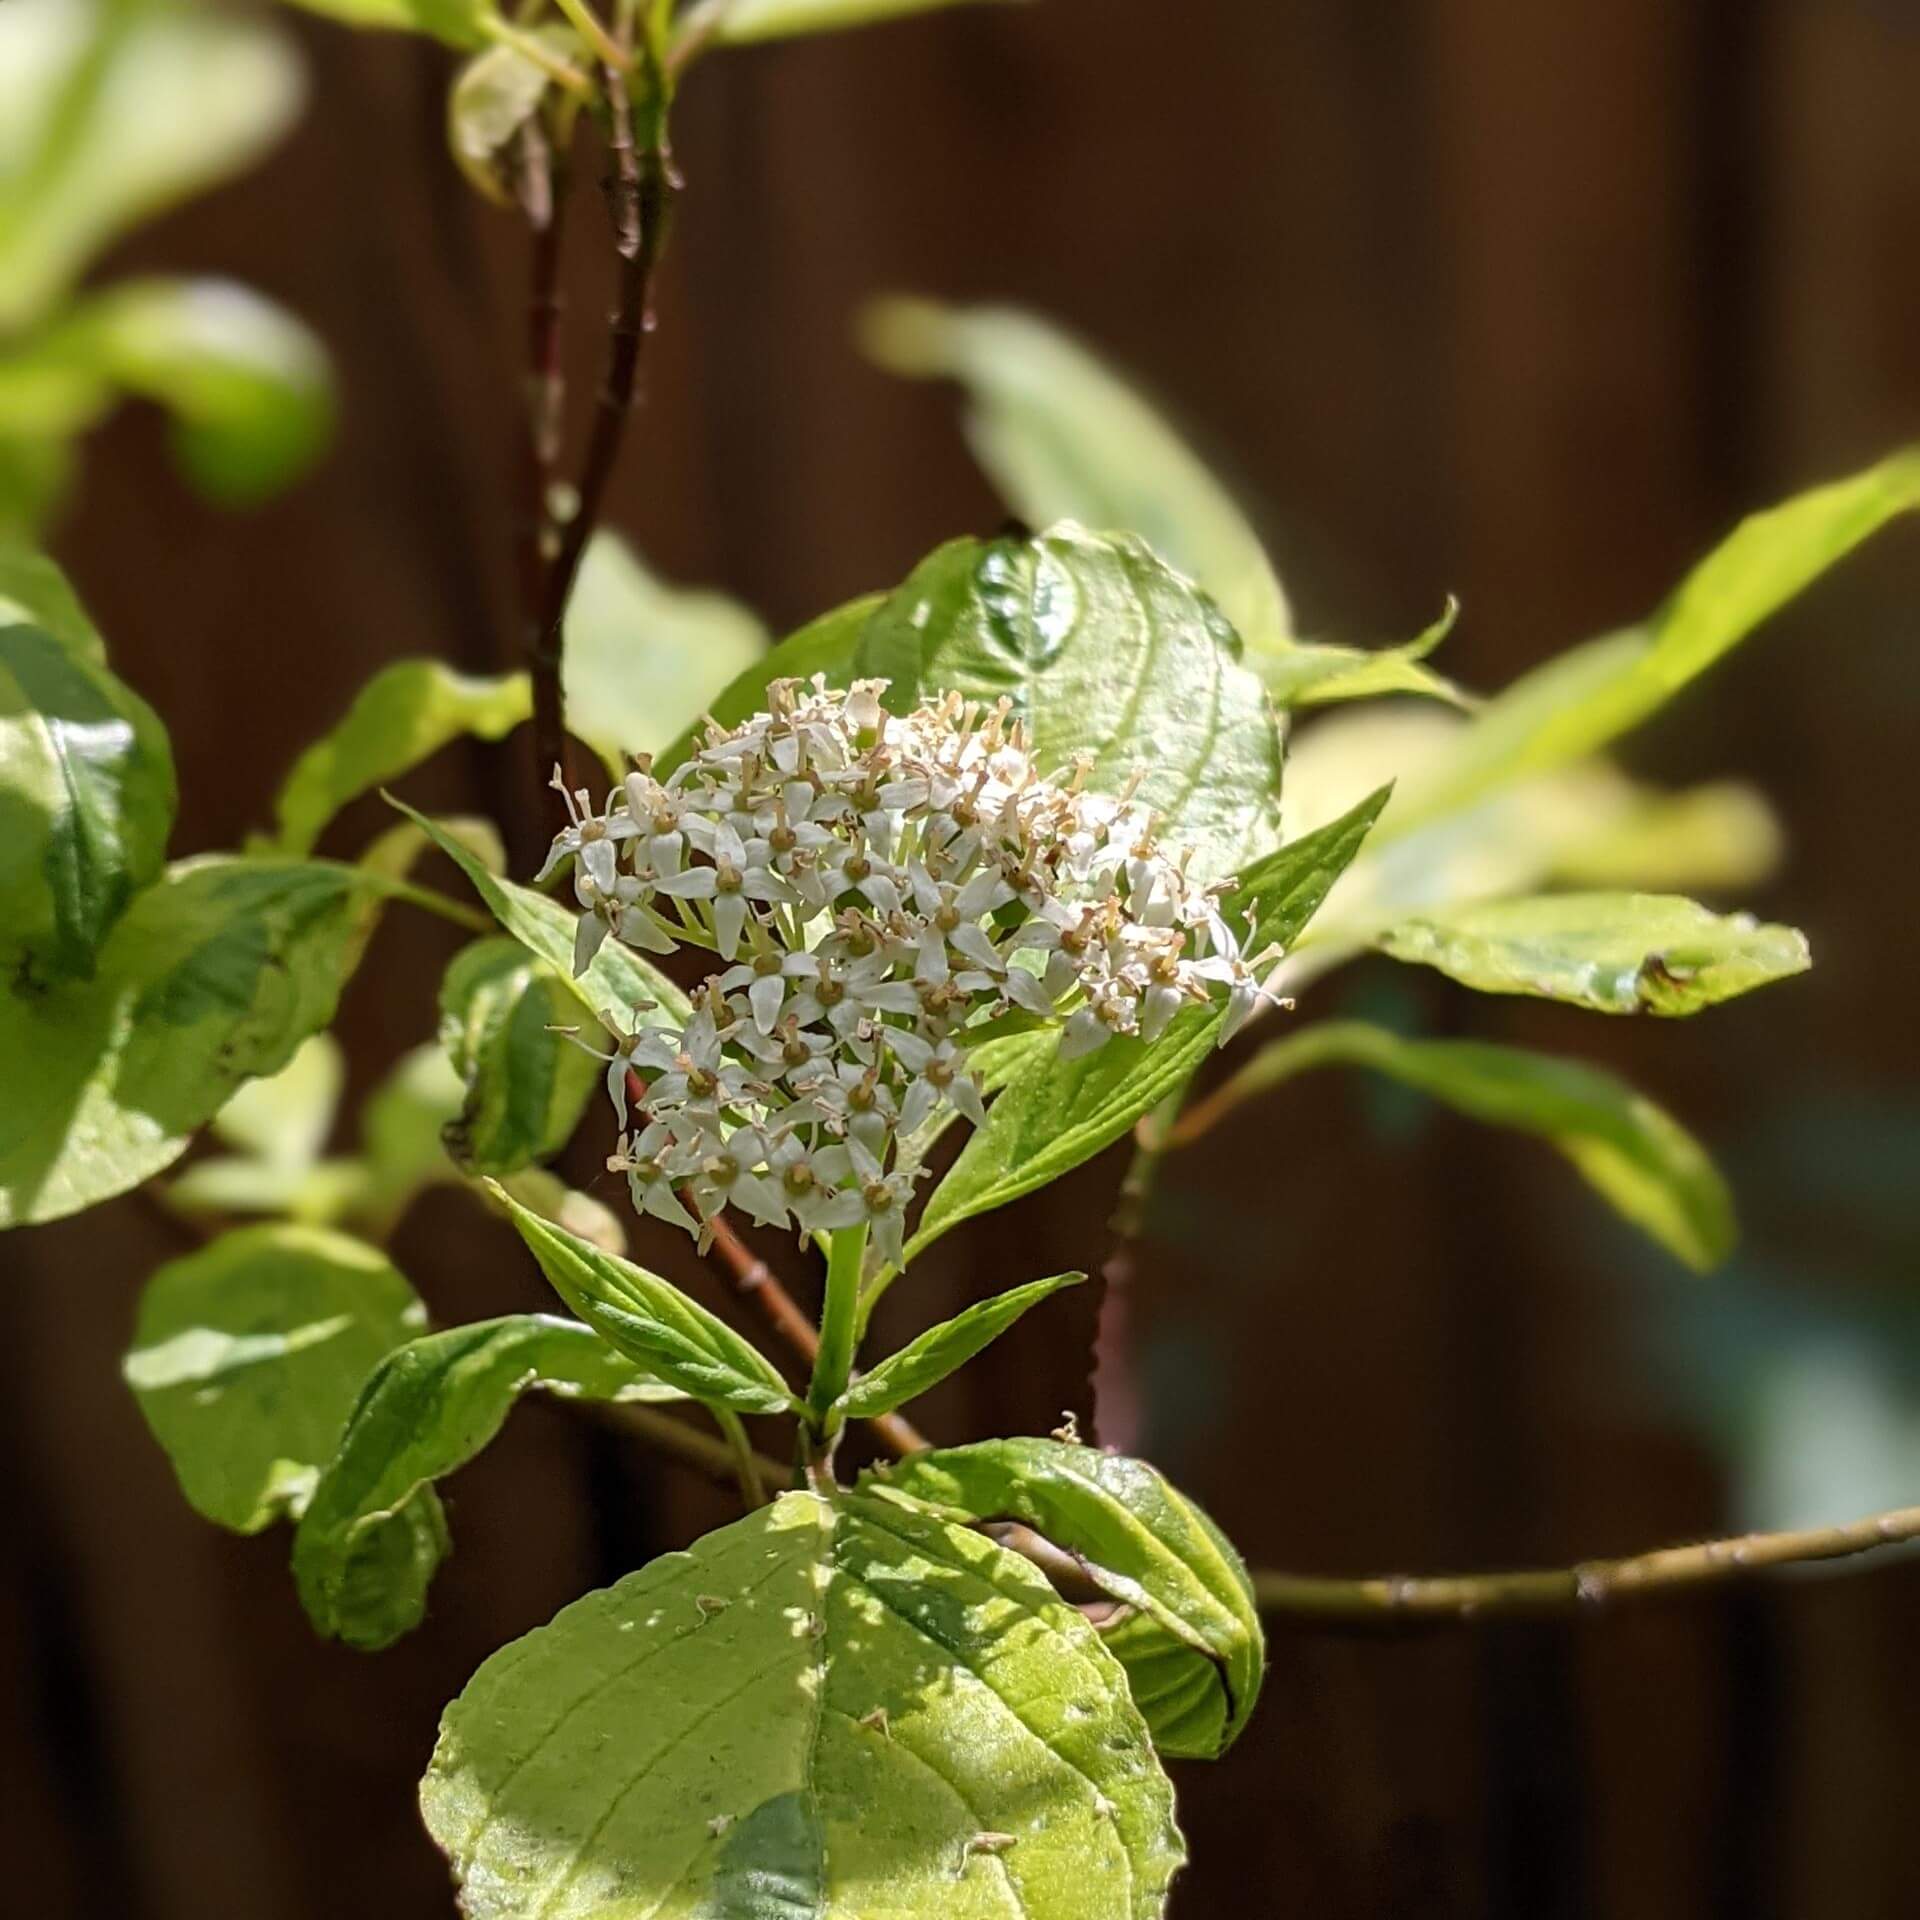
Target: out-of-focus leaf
286,1117
1105,651
826,645
429,1407
577,1213
496,93
214,975
527,1084
86,804
1719,836
110,113
927,1360
740,21
1634,1154
460,23
1613,952
250,1352
645,660
403,1127
841,1708
618,981
1055,1113
651,1321
1142,1542
35,593
1318,674
1064,438
407,711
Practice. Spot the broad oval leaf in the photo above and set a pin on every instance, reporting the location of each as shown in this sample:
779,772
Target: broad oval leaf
1063,437
249,1354
1632,1152
109,114
644,660
527,1083
1104,651
1613,952
651,1320
1194,1652
494,95
839,1708
213,976
86,804
927,1360
407,711
1054,1113
285,1118
739,21
425,1411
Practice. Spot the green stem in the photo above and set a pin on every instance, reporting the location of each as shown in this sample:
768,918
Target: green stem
423,897
746,1466
839,1324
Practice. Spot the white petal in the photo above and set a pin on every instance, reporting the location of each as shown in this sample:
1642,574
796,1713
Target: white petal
766,997
729,922
1026,992
1084,1033
965,1094
588,932
697,883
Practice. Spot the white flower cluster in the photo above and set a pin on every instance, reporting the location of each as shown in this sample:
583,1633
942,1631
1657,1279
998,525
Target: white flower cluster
885,892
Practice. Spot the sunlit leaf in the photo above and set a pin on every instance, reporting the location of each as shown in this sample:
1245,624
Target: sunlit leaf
1064,438
1103,651
1195,1654
460,23
35,593
1720,836
839,1708
1318,673
86,804
426,1410
250,1352
1613,952
496,93
747,20
286,1117
407,711
651,1321
110,113
1640,1159
644,660
927,1359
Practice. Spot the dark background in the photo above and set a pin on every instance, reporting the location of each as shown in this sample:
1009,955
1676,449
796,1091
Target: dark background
1523,302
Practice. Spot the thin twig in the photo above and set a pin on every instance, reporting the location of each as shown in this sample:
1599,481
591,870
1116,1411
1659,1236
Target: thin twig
1117,1410
715,1458
1455,1599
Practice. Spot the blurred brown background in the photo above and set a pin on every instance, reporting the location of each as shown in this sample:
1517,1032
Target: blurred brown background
1525,302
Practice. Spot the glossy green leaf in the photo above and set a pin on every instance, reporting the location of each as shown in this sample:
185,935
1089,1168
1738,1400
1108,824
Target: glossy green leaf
651,1321
1105,651
1062,437
1613,952
1318,674
1054,1114
109,114
740,21
213,976
1583,699
460,23
428,1408
249,1354
1141,1542
35,593
927,1359
617,983
407,711
86,804
527,1083
1633,1153
826,645
841,1709
494,95
645,660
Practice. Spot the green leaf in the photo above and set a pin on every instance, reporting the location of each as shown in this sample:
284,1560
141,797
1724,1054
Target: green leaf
1063,437
111,113
927,1360
1613,952
1634,1154
1140,1541
1577,703
652,1321
459,23
428,1408
1310,674
1103,650
35,593
494,95
213,976
407,711
644,660
740,21
247,1358
86,804
826,645
1054,1114
617,983
285,1118
1721,835
841,1709
527,1085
